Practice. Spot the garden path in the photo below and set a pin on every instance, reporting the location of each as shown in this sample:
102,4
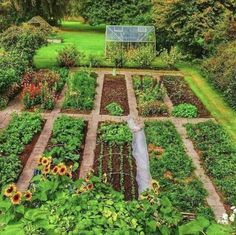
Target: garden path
94,118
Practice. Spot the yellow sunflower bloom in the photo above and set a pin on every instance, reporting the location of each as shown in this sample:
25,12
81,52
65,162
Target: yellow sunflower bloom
62,170
16,198
10,190
28,196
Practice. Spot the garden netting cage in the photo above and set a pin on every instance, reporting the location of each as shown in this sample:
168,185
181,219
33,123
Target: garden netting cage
126,38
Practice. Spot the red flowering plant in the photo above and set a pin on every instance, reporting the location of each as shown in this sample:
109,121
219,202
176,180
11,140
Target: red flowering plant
40,89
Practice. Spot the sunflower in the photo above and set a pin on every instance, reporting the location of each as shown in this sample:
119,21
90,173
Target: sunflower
45,161
10,190
90,187
62,170
87,178
55,170
40,160
46,170
16,198
28,196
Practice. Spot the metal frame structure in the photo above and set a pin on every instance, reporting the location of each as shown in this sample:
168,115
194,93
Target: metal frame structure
130,36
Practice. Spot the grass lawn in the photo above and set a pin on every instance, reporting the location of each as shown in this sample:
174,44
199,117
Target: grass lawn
88,39
211,98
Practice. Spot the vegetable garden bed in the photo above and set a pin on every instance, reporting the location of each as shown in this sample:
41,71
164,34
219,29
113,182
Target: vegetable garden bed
218,155
17,142
113,158
114,90
150,96
180,93
66,144
81,91
173,169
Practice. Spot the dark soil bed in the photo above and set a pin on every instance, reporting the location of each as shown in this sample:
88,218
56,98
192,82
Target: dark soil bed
179,93
114,90
102,161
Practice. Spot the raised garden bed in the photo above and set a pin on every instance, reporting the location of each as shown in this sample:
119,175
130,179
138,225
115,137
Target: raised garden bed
180,93
81,91
150,96
66,144
218,155
114,90
173,169
113,157
16,144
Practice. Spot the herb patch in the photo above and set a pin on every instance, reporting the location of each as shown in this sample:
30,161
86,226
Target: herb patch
150,96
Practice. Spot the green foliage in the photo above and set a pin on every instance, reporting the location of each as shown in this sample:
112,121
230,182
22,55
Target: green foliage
69,56
150,96
218,155
188,24
13,139
114,109
137,12
185,111
81,91
220,70
171,57
174,169
115,133
143,56
66,140
94,61
115,53
25,39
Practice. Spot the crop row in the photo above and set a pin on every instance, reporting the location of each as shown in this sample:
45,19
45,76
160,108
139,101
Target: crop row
13,141
218,155
173,168
113,158
67,141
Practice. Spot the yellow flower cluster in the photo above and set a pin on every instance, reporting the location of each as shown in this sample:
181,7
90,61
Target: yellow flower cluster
16,196
60,169
87,185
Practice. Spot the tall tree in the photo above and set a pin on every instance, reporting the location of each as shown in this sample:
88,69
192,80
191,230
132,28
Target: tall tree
113,11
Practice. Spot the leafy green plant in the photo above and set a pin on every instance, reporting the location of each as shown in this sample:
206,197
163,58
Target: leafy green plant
185,111
174,169
81,91
67,139
150,96
115,109
218,154
20,131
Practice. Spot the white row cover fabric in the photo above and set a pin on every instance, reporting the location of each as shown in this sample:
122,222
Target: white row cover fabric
140,153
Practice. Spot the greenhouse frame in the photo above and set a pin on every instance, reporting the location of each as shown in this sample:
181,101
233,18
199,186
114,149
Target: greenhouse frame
130,37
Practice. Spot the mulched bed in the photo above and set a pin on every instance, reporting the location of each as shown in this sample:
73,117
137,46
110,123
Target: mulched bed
114,177
114,90
30,147
179,93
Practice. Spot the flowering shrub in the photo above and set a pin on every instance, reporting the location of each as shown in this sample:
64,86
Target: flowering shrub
41,89
69,56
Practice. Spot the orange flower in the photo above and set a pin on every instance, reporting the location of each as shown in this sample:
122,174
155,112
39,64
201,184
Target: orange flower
62,170
55,170
28,196
40,160
10,190
16,198
46,170
90,187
